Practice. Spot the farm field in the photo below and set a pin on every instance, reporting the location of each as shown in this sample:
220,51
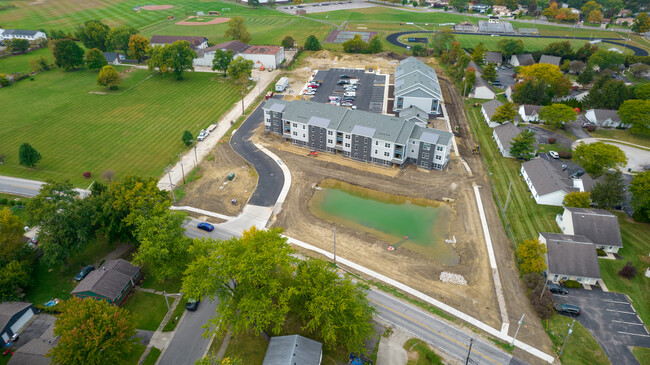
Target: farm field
135,130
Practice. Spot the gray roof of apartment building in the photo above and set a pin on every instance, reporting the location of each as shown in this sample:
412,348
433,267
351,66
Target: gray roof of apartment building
524,59
413,64
598,224
108,280
546,178
294,349
531,109
414,112
429,134
571,255
9,309
407,82
387,128
553,60
505,133
491,106
604,114
495,57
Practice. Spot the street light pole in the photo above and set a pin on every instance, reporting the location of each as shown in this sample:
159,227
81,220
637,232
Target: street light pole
517,331
168,170
196,160
471,341
180,160
566,338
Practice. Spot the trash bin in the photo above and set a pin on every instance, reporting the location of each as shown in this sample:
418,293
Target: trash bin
231,176
234,201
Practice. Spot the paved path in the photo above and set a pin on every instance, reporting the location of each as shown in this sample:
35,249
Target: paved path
25,187
637,156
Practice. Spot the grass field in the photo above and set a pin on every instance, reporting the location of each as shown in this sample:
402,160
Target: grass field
136,130
622,135
152,357
581,348
133,357
21,63
642,354
149,309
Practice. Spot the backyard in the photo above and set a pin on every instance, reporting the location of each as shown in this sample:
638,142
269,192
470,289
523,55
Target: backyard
78,126
149,309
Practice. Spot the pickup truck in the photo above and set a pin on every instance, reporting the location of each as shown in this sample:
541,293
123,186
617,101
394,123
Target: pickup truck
202,135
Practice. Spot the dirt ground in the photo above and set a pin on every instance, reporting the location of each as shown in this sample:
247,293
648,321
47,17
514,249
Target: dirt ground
213,191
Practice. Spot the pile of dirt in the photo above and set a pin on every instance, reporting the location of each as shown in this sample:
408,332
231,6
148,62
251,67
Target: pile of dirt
392,56
323,55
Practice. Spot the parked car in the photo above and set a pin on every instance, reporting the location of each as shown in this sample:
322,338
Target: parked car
205,226
344,76
84,272
202,135
313,86
570,309
350,93
342,82
557,289
309,92
577,174
553,154
192,304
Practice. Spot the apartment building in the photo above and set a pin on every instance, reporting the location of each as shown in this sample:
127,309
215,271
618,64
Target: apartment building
416,84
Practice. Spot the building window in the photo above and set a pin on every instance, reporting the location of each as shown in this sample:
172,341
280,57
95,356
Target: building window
387,145
376,143
440,148
413,142
347,145
376,152
295,125
303,126
425,155
386,154
329,133
438,157
365,140
356,138
412,151
347,136
321,139
329,141
426,146
295,133
356,147
365,149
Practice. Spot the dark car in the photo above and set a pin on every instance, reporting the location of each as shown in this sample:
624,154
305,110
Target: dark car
557,289
84,272
569,309
205,226
345,76
192,304
343,82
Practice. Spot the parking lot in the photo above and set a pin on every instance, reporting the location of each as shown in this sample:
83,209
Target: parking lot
505,77
611,319
324,7
370,88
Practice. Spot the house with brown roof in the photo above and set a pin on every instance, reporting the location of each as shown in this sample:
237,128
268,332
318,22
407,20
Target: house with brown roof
599,225
267,56
111,282
549,183
570,257
197,43
205,56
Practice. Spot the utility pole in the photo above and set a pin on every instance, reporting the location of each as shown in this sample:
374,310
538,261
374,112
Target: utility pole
196,160
180,160
566,339
544,288
508,197
517,331
334,244
168,170
471,341
166,301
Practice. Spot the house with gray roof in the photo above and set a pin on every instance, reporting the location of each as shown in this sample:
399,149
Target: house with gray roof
599,225
30,35
605,118
293,349
570,257
111,282
13,318
529,113
197,43
360,135
494,57
488,109
551,60
482,89
417,84
549,183
114,58
522,60
503,135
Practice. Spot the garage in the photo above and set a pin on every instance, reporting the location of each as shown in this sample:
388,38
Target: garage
13,317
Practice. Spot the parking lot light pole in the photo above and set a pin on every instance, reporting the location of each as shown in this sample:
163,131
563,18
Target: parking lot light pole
566,339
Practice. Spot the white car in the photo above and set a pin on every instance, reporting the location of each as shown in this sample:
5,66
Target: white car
309,92
350,93
553,154
202,135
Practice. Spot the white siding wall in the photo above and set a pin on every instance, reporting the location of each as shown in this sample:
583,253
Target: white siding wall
331,138
556,277
566,224
412,149
591,116
379,149
299,131
527,118
206,60
554,198
266,60
347,142
422,103
267,118
483,92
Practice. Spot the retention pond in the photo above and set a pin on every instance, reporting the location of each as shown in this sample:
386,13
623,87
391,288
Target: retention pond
419,225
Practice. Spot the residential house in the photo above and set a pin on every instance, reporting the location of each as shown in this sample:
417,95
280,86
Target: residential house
623,79
522,60
549,183
624,12
480,8
575,94
501,10
13,318
551,60
205,57
529,113
599,225
197,43
570,257
417,84
495,57
644,73
111,282
624,21
359,135
482,89
476,67
293,349
510,91
30,35
35,351
488,109
605,118
114,58
503,135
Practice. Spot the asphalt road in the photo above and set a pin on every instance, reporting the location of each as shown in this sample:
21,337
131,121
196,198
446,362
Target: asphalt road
22,187
611,320
188,343
393,39
192,232
270,176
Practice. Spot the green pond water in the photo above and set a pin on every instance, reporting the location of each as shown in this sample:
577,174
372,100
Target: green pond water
390,218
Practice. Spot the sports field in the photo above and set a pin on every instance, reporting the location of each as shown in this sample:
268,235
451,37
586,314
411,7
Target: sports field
136,130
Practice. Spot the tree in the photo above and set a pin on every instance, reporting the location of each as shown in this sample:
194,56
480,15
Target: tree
222,60
586,77
636,113
355,45
248,277
591,6
567,15
11,234
576,67
108,77
15,275
490,72
559,49
557,115
641,23
551,12
607,93
505,113
523,145
642,91
596,158
533,92
312,43
95,59
531,256
583,53
609,192
162,245
470,80
606,59
640,189
237,30
239,72
478,54
174,58
298,2
458,4
418,50
556,83
628,271
138,47
254,3
375,46
640,70
27,155
92,332
67,54
577,199
442,40
187,138
288,42
17,45
595,16
39,64
94,34
120,37
334,307
510,46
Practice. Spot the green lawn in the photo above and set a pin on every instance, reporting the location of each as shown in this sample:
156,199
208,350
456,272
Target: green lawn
19,209
642,354
135,130
426,356
169,285
149,309
622,135
134,356
581,348
152,357
20,63
176,315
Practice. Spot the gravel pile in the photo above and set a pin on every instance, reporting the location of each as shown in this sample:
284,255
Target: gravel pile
447,277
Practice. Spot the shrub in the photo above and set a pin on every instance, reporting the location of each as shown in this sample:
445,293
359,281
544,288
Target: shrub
12,202
628,271
572,284
591,128
87,174
601,252
4,201
565,154
544,305
551,140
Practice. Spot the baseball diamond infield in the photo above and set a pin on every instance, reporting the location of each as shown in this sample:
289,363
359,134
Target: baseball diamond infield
156,7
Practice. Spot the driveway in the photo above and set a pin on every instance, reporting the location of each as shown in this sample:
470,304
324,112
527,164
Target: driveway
542,135
612,321
637,158
576,128
505,77
36,329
